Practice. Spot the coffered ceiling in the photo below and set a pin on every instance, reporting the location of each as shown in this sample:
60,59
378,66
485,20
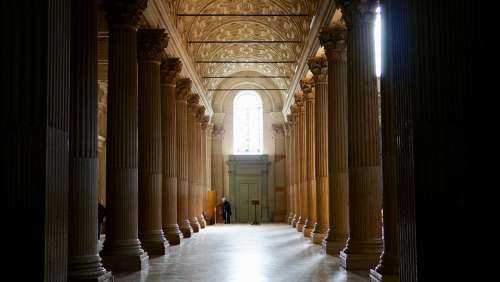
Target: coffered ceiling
233,41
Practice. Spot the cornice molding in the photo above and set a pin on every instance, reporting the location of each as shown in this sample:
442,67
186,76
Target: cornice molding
326,10
157,16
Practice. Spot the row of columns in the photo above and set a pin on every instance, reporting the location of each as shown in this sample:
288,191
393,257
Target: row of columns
334,129
155,169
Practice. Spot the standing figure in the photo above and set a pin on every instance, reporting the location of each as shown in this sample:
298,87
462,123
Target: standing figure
226,210
101,213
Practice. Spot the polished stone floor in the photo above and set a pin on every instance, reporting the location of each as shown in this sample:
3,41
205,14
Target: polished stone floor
241,252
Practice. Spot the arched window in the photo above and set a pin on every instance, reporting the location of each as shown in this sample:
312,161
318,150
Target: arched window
247,130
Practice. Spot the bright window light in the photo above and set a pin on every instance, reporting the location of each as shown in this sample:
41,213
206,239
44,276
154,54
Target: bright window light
247,130
378,42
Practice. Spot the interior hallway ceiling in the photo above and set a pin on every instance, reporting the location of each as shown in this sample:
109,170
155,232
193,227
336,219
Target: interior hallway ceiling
244,44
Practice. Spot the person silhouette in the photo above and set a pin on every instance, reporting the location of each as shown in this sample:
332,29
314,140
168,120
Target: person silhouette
226,210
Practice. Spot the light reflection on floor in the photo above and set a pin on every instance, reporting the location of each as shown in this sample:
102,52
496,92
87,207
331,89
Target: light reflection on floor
240,252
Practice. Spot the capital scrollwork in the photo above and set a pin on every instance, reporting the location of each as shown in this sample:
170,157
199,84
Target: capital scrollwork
306,84
334,40
169,69
358,12
126,13
150,44
182,88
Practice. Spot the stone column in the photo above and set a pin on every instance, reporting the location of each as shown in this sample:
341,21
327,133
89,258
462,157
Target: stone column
182,90
204,127
122,248
200,114
388,266
364,245
335,46
169,70
84,263
193,100
306,85
151,43
288,129
296,164
217,167
302,143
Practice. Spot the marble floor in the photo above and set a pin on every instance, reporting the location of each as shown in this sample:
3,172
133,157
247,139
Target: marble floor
243,252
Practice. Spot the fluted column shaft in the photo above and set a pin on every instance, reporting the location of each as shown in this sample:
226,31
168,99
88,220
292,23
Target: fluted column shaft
169,70
199,166
318,68
204,157
296,162
310,157
217,168
192,194
388,266
122,248
335,49
288,145
302,143
364,245
151,43
183,86
84,263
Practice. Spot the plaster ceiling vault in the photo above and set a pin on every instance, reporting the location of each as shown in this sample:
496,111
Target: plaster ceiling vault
206,26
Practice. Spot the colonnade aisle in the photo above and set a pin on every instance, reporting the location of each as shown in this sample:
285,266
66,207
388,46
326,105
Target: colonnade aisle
242,252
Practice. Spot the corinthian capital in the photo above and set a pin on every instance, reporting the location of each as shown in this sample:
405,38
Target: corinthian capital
182,88
306,85
124,13
334,41
318,67
193,101
358,12
169,69
150,44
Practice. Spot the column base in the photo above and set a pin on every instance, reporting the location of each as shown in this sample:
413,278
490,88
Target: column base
290,218
308,231
294,221
333,247
317,238
202,221
155,248
300,224
154,242
195,225
358,261
126,263
106,277
173,234
88,268
379,277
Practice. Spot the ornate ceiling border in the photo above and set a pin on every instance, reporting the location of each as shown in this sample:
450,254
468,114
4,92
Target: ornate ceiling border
326,10
158,15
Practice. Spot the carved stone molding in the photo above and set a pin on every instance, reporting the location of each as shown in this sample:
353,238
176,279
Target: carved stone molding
218,130
278,130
